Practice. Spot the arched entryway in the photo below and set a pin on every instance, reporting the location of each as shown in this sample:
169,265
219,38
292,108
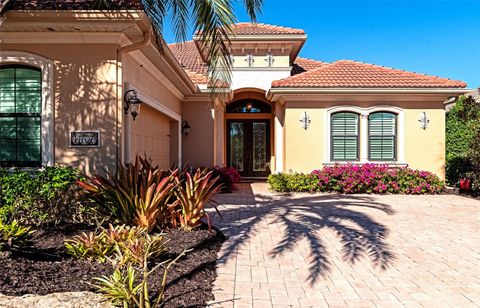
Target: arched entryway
248,123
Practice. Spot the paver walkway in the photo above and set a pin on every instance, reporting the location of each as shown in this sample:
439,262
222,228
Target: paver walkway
328,250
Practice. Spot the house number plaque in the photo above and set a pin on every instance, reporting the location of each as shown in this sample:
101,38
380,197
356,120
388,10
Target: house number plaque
85,138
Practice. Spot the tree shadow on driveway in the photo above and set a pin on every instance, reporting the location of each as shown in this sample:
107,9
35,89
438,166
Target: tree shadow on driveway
304,217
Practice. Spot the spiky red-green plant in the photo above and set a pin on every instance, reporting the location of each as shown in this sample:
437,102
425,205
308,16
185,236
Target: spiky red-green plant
137,195
193,195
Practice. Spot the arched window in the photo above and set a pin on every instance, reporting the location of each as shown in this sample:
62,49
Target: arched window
249,106
382,136
20,116
344,134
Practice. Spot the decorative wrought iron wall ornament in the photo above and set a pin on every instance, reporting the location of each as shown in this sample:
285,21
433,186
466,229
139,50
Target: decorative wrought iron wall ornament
305,120
249,59
269,59
132,103
423,120
185,128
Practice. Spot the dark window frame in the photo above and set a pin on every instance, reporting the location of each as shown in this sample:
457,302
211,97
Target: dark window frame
332,158
395,135
17,115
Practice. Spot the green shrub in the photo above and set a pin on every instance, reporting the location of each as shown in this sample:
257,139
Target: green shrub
301,182
278,182
462,138
41,196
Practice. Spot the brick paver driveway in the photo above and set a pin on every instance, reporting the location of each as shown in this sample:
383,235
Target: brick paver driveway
327,250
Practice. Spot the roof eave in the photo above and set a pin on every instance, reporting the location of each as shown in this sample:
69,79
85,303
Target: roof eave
296,91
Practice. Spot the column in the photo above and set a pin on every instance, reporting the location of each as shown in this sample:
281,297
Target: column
219,130
278,136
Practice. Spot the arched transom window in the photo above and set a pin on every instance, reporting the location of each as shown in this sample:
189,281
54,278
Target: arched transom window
249,106
20,116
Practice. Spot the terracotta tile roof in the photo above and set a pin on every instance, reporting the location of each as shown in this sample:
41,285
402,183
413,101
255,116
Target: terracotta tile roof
352,74
303,64
248,28
189,57
69,4
196,77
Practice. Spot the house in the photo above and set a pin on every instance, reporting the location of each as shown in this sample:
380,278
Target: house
67,75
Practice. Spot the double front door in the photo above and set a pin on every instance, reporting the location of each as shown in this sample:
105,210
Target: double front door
248,147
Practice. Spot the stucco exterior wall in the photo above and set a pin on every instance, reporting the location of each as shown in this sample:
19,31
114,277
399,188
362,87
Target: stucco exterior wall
141,79
306,150
155,131
425,149
84,78
198,146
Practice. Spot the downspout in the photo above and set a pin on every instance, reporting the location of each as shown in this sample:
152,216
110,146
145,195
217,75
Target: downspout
120,53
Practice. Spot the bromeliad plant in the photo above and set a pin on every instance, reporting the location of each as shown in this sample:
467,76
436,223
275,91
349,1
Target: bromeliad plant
101,245
13,234
143,195
138,194
193,195
132,261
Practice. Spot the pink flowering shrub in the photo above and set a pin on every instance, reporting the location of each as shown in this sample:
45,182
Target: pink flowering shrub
355,179
229,177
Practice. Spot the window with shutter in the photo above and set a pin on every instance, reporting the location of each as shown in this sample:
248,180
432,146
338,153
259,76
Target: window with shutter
20,116
344,136
382,130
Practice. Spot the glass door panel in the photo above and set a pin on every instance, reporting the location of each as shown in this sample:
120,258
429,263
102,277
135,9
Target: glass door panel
259,144
237,145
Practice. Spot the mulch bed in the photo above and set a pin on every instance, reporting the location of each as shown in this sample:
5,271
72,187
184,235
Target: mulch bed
43,267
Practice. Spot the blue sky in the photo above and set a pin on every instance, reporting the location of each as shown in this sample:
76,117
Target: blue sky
439,38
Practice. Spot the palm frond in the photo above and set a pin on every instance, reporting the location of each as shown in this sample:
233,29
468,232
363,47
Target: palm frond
212,23
253,7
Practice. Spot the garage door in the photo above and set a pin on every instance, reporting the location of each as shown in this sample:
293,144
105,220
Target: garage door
150,134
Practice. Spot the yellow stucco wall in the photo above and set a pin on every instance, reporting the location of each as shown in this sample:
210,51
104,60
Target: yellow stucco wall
259,61
425,149
305,150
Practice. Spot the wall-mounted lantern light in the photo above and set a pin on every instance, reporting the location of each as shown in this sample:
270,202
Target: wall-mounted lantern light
423,120
132,103
185,128
305,121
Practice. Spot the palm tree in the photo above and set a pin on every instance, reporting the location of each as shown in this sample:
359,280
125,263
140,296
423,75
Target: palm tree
212,20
